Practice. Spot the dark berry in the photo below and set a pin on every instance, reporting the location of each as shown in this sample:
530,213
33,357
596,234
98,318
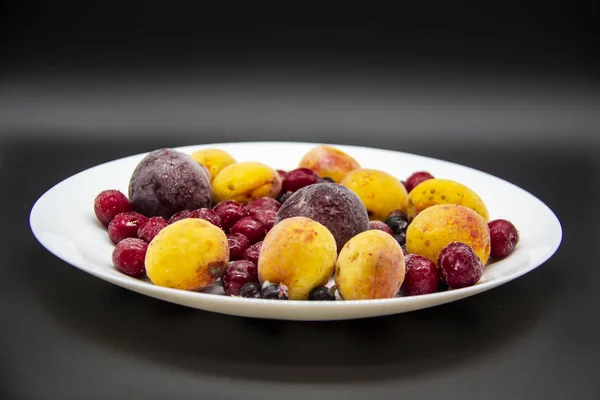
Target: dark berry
109,203
238,244
415,179
230,212
421,276
129,255
253,252
321,293
327,179
397,221
179,216
401,238
504,237
237,274
380,226
251,227
206,214
459,266
274,291
125,225
250,290
284,196
264,203
148,230
299,178
266,217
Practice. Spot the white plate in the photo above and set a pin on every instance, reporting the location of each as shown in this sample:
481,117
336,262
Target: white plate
63,221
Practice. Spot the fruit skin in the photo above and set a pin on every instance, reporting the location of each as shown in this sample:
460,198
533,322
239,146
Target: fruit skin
329,162
266,217
439,225
422,276
150,228
299,253
264,203
459,266
333,205
128,257
206,214
229,213
250,227
110,203
250,290
415,179
379,191
298,178
167,181
236,275
179,215
238,244
444,191
504,237
189,254
322,293
125,225
370,266
246,181
380,226
253,252
214,160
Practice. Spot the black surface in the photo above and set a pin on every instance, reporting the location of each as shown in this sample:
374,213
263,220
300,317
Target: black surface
67,334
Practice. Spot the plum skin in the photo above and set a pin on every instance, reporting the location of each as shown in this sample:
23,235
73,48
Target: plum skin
167,181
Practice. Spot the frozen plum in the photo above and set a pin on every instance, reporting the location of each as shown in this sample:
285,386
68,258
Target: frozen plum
331,204
167,181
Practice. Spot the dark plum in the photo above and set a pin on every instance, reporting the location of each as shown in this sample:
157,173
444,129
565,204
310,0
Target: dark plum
150,228
380,226
110,203
264,203
275,291
238,244
336,207
167,181
421,276
129,257
237,274
459,266
250,227
253,252
230,212
125,225
322,293
206,214
416,178
250,290
504,237
299,178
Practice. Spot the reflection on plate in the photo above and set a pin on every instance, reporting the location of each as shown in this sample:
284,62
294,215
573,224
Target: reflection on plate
63,221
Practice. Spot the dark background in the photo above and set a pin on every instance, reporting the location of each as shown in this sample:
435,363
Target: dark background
511,89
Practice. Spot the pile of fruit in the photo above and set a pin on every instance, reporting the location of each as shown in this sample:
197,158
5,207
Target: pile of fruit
192,221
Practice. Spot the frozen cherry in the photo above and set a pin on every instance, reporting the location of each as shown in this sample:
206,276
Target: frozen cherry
459,266
237,274
299,178
125,225
284,196
250,290
397,221
416,178
129,255
238,244
253,252
150,228
109,203
179,216
206,214
322,293
251,227
264,203
266,217
380,226
421,276
230,212
276,291
281,173
504,236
